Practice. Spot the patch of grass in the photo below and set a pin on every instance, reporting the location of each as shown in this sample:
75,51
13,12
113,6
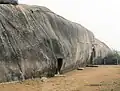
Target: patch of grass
114,86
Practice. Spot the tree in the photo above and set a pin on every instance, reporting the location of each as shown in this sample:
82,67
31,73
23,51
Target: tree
113,58
15,2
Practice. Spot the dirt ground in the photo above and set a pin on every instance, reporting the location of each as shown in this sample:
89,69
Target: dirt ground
102,78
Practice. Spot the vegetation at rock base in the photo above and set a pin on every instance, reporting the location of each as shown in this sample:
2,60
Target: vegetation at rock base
113,58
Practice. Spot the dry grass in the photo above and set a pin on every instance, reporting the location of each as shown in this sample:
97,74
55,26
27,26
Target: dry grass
112,86
102,78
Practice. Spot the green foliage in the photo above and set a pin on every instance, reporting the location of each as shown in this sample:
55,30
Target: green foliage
113,58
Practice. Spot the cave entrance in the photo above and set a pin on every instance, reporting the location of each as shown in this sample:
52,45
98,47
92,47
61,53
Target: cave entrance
59,64
93,55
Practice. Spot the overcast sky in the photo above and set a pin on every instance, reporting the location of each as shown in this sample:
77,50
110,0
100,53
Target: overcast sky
102,17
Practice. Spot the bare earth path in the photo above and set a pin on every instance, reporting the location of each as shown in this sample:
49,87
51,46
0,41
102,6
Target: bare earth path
89,79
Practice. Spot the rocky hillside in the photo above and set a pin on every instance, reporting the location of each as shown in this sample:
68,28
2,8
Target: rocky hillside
35,42
102,50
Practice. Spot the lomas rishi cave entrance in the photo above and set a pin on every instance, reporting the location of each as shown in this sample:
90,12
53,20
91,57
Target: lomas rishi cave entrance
59,65
93,55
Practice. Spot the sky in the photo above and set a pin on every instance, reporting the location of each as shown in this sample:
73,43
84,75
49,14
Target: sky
102,17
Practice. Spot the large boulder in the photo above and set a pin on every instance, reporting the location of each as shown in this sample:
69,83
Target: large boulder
9,2
35,42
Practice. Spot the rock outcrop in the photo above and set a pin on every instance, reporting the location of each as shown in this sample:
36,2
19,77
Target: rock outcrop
36,42
102,51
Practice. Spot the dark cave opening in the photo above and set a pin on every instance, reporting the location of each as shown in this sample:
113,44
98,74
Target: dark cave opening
59,64
93,55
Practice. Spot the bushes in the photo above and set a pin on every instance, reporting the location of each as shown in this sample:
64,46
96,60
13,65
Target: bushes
113,58
15,2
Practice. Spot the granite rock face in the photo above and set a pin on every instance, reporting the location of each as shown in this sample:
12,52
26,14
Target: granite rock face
102,51
35,42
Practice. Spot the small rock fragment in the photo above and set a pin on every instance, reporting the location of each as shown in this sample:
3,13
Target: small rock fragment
44,79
